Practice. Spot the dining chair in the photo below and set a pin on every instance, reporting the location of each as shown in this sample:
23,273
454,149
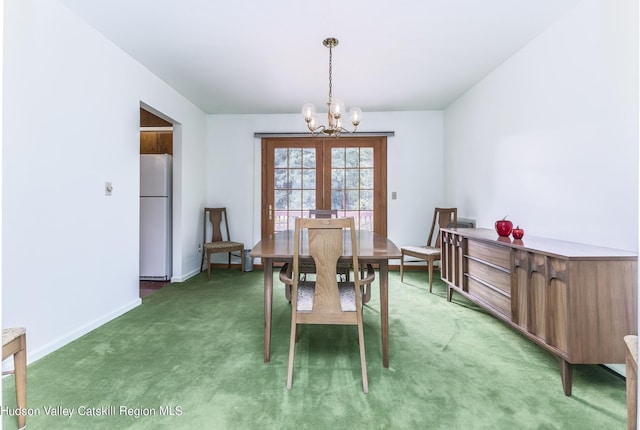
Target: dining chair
219,243
326,300
14,343
443,218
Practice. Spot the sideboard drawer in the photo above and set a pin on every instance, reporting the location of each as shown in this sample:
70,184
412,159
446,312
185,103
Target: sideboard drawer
490,275
493,298
498,255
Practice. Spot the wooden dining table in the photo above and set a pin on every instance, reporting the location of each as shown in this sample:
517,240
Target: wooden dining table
372,249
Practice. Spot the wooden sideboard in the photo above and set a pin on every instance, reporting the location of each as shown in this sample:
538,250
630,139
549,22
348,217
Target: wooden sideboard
577,301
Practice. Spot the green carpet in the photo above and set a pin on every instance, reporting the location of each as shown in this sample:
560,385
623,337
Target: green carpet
191,357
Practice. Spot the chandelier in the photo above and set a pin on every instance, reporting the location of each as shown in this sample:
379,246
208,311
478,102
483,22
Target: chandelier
336,108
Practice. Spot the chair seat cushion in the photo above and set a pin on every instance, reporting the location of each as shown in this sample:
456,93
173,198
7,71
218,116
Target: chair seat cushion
347,292
222,245
425,250
9,334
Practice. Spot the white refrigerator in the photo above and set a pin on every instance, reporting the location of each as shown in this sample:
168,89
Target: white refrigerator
155,217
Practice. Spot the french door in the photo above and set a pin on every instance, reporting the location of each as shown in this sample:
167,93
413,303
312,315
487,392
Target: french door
346,174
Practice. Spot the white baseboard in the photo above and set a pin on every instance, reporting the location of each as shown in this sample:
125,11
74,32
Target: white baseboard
183,278
36,354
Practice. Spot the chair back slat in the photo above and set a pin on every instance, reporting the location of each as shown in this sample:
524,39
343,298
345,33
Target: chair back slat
443,218
325,244
217,217
325,247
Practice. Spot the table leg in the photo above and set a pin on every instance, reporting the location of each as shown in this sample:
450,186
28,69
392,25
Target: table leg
384,310
268,298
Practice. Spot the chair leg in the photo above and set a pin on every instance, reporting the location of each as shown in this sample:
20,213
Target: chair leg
363,359
242,260
202,260
430,275
208,266
20,365
402,267
292,351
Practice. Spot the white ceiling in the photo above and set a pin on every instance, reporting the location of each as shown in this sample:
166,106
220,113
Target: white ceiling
252,56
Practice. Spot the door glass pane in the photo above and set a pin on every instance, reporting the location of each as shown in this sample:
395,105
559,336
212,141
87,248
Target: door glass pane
352,178
308,199
309,157
295,157
366,157
309,179
352,157
366,200
280,179
337,199
295,179
366,178
280,158
353,203
337,157
337,179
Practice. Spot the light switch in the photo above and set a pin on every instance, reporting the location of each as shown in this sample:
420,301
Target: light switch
108,188
394,195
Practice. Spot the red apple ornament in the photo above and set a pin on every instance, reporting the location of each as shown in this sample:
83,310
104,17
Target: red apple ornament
517,233
504,227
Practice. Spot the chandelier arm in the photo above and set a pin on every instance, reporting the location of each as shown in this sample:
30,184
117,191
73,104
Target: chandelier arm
317,130
344,130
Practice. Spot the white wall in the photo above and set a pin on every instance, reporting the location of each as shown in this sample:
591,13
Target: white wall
414,168
550,137
71,118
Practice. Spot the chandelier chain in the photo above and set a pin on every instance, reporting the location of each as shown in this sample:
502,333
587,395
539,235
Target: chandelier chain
330,69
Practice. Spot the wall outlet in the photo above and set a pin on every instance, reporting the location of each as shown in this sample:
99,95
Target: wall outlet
199,247
108,188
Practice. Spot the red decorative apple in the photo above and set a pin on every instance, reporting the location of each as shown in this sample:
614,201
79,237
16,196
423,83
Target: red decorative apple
504,227
517,232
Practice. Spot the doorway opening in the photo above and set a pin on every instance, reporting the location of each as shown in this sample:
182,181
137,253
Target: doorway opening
156,201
